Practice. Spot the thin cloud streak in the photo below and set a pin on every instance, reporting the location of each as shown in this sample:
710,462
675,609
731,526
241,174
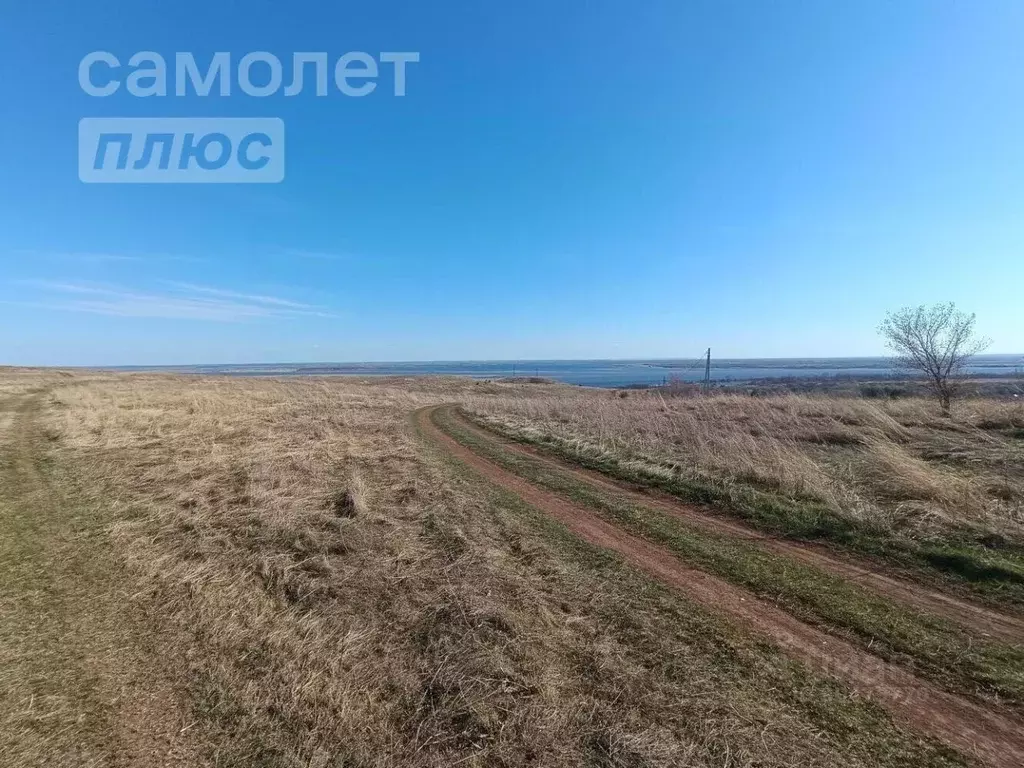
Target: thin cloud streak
247,297
190,302
87,257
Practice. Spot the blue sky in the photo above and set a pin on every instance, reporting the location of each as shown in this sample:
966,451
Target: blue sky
562,180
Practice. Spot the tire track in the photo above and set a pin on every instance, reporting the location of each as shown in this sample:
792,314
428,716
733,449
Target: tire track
994,739
76,687
978,618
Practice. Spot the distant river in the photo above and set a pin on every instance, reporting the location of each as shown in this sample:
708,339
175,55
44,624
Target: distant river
604,373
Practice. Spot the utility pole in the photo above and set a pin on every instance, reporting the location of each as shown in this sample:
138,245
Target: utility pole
707,373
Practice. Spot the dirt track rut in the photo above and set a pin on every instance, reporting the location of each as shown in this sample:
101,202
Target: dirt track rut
993,738
978,618
75,687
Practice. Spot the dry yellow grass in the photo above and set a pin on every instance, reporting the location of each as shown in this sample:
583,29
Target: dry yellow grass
316,588
897,463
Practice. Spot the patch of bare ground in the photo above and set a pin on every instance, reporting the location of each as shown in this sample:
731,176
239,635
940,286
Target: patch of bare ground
321,591
992,737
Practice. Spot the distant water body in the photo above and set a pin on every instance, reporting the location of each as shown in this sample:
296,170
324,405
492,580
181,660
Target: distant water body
604,373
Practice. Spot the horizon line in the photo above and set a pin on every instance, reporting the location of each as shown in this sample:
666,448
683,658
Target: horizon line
509,361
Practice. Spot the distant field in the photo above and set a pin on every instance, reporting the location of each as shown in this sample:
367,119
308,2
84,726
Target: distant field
336,572
825,372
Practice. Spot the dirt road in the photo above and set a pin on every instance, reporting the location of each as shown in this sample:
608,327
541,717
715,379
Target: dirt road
993,738
979,618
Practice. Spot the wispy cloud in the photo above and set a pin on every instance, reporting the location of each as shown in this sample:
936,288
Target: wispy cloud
246,297
184,301
90,257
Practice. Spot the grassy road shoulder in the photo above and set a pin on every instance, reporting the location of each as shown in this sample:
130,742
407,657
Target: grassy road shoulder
680,641
958,660
989,567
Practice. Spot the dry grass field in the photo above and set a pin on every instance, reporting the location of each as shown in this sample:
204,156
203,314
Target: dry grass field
888,477
284,572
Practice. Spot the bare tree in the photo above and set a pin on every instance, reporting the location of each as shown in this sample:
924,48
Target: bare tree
936,341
